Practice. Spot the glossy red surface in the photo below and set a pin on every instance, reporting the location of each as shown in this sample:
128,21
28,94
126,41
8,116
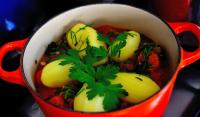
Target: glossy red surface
187,57
14,76
153,107
172,10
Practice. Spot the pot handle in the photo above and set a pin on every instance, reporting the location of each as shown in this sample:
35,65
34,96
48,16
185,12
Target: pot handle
188,57
12,76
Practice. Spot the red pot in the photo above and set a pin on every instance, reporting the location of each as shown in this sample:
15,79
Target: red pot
114,14
172,10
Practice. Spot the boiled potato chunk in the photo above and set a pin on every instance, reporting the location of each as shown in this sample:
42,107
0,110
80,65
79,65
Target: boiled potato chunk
79,34
132,44
81,102
55,75
139,87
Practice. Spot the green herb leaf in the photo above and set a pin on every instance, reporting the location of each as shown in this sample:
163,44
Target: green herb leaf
97,78
112,94
115,49
81,76
97,89
103,39
106,73
73,53
147,50
94,54
122,36
70,56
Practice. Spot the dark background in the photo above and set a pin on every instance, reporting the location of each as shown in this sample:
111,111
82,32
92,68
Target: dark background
20,18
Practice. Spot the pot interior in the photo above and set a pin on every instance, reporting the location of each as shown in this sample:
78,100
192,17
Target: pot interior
117,15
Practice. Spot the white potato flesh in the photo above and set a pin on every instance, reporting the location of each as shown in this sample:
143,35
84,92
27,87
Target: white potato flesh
79,34
132,44
139,87
55,75
82,104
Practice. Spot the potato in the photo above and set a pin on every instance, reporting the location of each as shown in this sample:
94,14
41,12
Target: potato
55,75
139,87
77,36
81,102
132,44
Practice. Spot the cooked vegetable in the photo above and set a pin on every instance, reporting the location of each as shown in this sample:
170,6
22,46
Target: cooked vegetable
83,104
74,74
96,78
147,59
139,87
57,100
99,98
125,46
55,75
77,39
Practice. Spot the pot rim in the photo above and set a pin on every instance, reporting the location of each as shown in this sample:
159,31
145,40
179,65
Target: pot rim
115,111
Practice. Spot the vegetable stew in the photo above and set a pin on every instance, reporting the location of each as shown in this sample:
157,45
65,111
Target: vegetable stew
100,69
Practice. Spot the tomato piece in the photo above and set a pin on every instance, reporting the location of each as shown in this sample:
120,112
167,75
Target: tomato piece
154,61
58,100
155,72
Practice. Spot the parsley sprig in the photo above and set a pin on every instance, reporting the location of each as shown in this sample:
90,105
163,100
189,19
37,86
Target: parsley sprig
106,73
94,54
115,47
104,38
97,78
111,93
